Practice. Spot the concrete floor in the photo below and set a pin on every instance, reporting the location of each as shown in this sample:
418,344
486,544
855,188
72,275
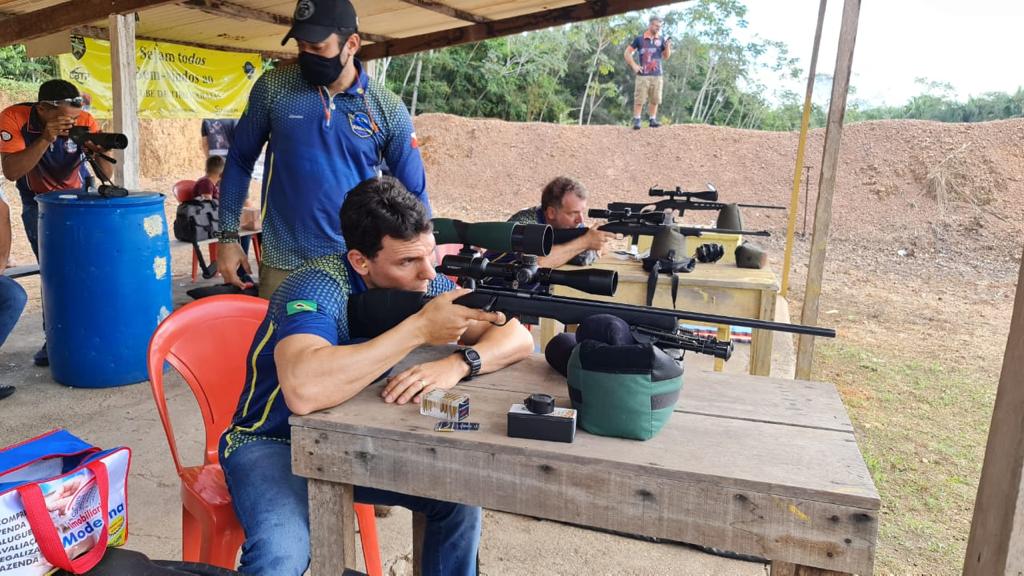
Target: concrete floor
126,416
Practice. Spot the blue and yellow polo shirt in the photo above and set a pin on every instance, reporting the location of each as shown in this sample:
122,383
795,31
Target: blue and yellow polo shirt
318,148
312,300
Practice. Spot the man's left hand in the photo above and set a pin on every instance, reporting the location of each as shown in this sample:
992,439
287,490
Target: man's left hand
414,382
93,147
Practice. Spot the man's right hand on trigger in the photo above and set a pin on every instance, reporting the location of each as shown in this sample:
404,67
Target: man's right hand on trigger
596,239
443,321
57,127
229,258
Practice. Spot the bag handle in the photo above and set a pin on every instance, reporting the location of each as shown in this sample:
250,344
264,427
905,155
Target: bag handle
45,532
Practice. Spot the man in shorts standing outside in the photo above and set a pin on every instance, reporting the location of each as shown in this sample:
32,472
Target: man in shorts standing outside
653,49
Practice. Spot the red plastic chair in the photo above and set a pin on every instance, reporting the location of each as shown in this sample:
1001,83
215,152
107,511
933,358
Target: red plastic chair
207,342
183,190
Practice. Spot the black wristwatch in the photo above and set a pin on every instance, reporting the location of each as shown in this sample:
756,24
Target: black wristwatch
472,358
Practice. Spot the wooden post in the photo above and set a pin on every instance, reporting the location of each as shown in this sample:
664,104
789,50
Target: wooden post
827,183
996,544
126,98
801,147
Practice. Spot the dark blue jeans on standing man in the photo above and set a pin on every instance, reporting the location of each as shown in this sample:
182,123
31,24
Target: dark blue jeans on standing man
273,509
12,302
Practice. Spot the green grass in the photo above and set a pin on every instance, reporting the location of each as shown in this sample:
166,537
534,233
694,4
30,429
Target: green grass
922,427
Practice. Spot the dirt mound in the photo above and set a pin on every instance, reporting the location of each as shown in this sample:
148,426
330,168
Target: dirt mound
948,193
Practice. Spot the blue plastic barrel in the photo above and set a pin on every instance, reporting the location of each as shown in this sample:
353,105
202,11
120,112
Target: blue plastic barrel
105,265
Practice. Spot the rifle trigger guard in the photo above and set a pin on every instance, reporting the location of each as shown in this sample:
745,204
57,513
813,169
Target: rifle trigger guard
490,308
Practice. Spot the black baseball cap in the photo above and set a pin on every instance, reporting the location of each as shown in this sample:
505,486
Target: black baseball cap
57,89
315,20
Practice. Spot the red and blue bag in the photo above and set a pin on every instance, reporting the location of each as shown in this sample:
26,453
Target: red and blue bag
62,503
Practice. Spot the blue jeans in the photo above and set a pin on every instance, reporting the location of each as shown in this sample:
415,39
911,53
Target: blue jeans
12,302
273,509
30,219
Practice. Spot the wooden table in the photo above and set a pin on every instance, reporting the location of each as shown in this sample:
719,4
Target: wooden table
755,465
711,289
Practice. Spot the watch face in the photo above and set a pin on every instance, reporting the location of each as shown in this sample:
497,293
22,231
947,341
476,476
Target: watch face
472,355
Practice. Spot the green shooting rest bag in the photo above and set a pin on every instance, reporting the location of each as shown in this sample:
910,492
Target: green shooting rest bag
625,391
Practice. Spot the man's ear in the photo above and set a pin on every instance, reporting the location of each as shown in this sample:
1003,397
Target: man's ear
359,262
354,42
549,213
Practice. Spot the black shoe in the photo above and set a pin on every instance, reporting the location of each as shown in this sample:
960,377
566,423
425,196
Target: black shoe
6,391
636,123
41,358
653,123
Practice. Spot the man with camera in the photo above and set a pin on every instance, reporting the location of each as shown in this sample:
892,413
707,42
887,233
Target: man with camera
37,151
649,80
327,128
304,358
563,204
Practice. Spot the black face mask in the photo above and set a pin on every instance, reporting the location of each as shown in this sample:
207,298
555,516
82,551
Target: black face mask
319,70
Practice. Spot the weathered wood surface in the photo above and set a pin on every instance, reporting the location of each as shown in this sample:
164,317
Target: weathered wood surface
710,289
332,529
791,492
996,544
827,184
796,403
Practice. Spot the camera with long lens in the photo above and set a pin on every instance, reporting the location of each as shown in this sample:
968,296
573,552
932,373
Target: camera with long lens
523,273
108,140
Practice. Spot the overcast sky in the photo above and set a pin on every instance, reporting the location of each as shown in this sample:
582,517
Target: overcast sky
975,46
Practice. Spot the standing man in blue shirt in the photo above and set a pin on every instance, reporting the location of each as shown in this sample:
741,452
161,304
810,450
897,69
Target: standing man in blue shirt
304,358
649,80
329,127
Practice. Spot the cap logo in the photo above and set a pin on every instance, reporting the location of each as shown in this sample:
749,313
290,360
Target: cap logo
6,136
304,9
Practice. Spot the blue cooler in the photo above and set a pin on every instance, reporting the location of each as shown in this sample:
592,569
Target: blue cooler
106,270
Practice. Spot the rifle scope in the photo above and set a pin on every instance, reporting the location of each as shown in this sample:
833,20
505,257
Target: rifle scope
524,271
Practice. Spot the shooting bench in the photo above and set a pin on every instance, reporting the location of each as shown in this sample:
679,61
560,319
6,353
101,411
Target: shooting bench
760,466
711,289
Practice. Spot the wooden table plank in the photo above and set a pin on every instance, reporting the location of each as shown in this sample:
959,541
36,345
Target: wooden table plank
648,488
755,465
783,460
757,398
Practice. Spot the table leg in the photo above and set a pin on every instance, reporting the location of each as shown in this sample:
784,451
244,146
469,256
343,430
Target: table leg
787,569
547,332
419,530
724,335
332,531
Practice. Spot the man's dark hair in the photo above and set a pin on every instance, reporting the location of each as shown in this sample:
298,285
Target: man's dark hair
557,189
381,207
214,163
57,89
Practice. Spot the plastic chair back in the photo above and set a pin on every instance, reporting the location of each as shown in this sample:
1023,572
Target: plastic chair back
207,342
184,190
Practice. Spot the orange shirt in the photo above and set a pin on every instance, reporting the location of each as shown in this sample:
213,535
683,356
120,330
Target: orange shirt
60,168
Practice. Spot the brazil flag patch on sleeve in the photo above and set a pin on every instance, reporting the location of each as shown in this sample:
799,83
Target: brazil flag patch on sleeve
296,306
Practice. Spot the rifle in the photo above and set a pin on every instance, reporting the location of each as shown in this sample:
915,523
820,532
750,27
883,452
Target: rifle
373,312
636,224
682,201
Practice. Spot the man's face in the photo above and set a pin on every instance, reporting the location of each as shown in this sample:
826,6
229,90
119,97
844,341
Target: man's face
400,264
655,27
332,47
569,214
48,111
